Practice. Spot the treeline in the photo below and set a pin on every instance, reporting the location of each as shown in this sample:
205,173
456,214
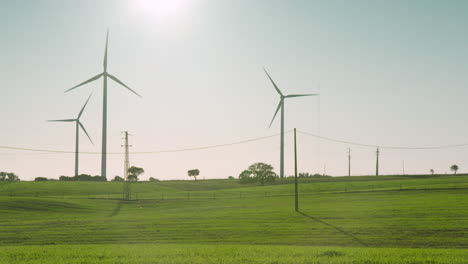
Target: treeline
8,176
263,173
83,177
308,175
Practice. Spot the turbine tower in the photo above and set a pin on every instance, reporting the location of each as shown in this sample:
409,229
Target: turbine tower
281,106
78,125
104,74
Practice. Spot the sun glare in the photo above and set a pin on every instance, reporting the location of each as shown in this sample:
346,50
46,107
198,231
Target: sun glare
162,10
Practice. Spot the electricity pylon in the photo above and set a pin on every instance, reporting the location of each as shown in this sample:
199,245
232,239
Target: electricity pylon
127,190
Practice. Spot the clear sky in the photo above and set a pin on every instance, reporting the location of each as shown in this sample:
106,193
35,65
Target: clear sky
389,72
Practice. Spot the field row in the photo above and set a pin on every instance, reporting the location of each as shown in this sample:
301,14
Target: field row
227,254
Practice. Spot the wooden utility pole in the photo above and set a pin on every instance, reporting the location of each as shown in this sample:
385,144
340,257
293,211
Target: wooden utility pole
377,163
296,195
349,161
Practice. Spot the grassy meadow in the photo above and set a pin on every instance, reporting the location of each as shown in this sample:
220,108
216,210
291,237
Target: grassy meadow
386,219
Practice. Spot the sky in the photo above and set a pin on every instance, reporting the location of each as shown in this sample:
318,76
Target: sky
389,73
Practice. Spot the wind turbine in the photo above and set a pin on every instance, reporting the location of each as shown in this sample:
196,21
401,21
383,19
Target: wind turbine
281,106
78,125
104,74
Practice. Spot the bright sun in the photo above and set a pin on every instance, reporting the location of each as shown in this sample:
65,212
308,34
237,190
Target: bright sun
161,10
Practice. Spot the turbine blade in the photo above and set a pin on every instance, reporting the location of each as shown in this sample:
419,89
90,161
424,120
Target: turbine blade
105,52
274,84
121,83
85,82
82,109
62,120
277,109
299,95
82,127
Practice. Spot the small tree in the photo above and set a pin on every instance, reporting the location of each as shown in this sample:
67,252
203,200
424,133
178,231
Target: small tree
193,173
8,176
432,171
454,168
151,179
134,172
247,176
118,179
40,179
258,172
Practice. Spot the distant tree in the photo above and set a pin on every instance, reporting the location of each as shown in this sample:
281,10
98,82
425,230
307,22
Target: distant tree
40,179
247,176
258,172
65,178
193,173
134,172
83,177
231,178
132,178
151,179
432,171
304,175
454,168
118,179
8,176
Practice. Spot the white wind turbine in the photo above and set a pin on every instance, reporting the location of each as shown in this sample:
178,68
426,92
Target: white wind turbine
281,106
77,135
104,74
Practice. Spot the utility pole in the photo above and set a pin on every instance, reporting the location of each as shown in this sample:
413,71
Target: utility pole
126,190
349,161
377,163
403,165
296,195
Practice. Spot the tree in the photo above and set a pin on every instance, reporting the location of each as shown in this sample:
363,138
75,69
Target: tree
118,179
65,178
432,171
40,179
134,172
247,176
132,178
151,179
258,172
454,168
193,173
8,176
231,177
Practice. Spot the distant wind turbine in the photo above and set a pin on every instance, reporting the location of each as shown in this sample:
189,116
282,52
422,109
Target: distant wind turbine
78,125
281,106
104,74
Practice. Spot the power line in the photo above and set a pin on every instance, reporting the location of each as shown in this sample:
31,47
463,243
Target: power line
148,152
50,151
383,147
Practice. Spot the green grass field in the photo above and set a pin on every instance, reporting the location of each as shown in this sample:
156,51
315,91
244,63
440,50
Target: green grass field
391,219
